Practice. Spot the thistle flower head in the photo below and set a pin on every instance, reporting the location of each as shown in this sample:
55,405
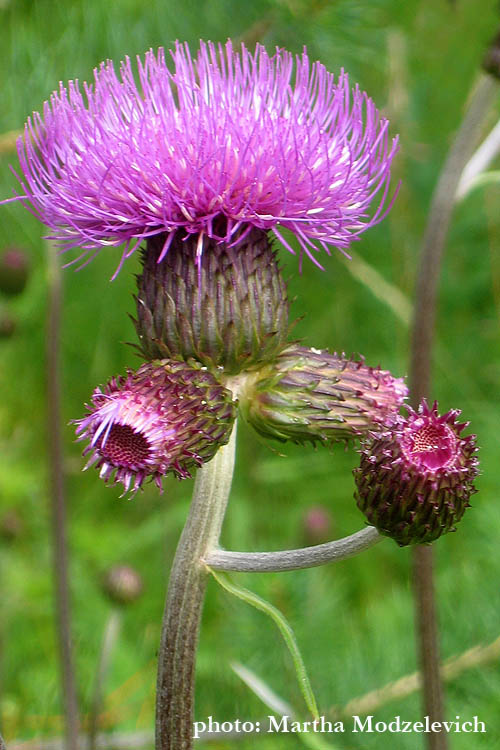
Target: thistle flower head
166,417
312,395
415,480
207,146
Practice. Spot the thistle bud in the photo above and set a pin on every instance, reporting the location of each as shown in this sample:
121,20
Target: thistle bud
166,417
317,524
415,480
226,306
14,271
122,584
312,395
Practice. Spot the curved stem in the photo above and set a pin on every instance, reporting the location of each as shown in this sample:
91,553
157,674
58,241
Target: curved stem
420,377
293,559
186,590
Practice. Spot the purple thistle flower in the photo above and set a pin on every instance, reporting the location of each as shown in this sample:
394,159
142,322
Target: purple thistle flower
414,481
222,143
166,417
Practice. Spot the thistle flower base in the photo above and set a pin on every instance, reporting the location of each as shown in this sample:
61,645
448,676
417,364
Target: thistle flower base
224,305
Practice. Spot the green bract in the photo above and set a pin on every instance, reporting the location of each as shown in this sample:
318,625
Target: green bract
225,308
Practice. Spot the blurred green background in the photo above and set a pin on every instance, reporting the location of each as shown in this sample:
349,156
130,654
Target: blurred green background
353,620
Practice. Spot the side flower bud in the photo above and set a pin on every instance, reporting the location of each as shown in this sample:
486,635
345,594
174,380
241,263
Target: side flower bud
223,305
312,395
166,417
14,271
415,480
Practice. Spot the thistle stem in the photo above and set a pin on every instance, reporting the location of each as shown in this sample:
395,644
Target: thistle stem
294,559
58,502
420,378
186,590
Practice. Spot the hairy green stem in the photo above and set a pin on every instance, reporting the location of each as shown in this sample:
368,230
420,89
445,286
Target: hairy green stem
294,559
420,378
186,591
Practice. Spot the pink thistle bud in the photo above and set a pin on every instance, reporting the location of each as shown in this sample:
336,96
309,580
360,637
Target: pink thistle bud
415,480
312,395
14,271
166,417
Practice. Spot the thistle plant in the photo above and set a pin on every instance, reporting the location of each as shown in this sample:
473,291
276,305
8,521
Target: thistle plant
202,164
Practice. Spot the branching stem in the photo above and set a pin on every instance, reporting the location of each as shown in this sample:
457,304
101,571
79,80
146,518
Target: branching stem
294,559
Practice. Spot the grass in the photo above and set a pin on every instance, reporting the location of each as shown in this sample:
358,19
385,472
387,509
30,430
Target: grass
353,620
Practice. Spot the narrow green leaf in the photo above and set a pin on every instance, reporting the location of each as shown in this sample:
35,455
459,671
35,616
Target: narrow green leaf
286,631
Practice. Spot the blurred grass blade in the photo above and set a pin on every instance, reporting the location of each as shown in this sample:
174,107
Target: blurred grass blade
286,631
382,289
479,163
8,141
481,180
267,695
262,690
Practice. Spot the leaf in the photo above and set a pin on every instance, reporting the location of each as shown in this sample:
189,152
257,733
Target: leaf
286,631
